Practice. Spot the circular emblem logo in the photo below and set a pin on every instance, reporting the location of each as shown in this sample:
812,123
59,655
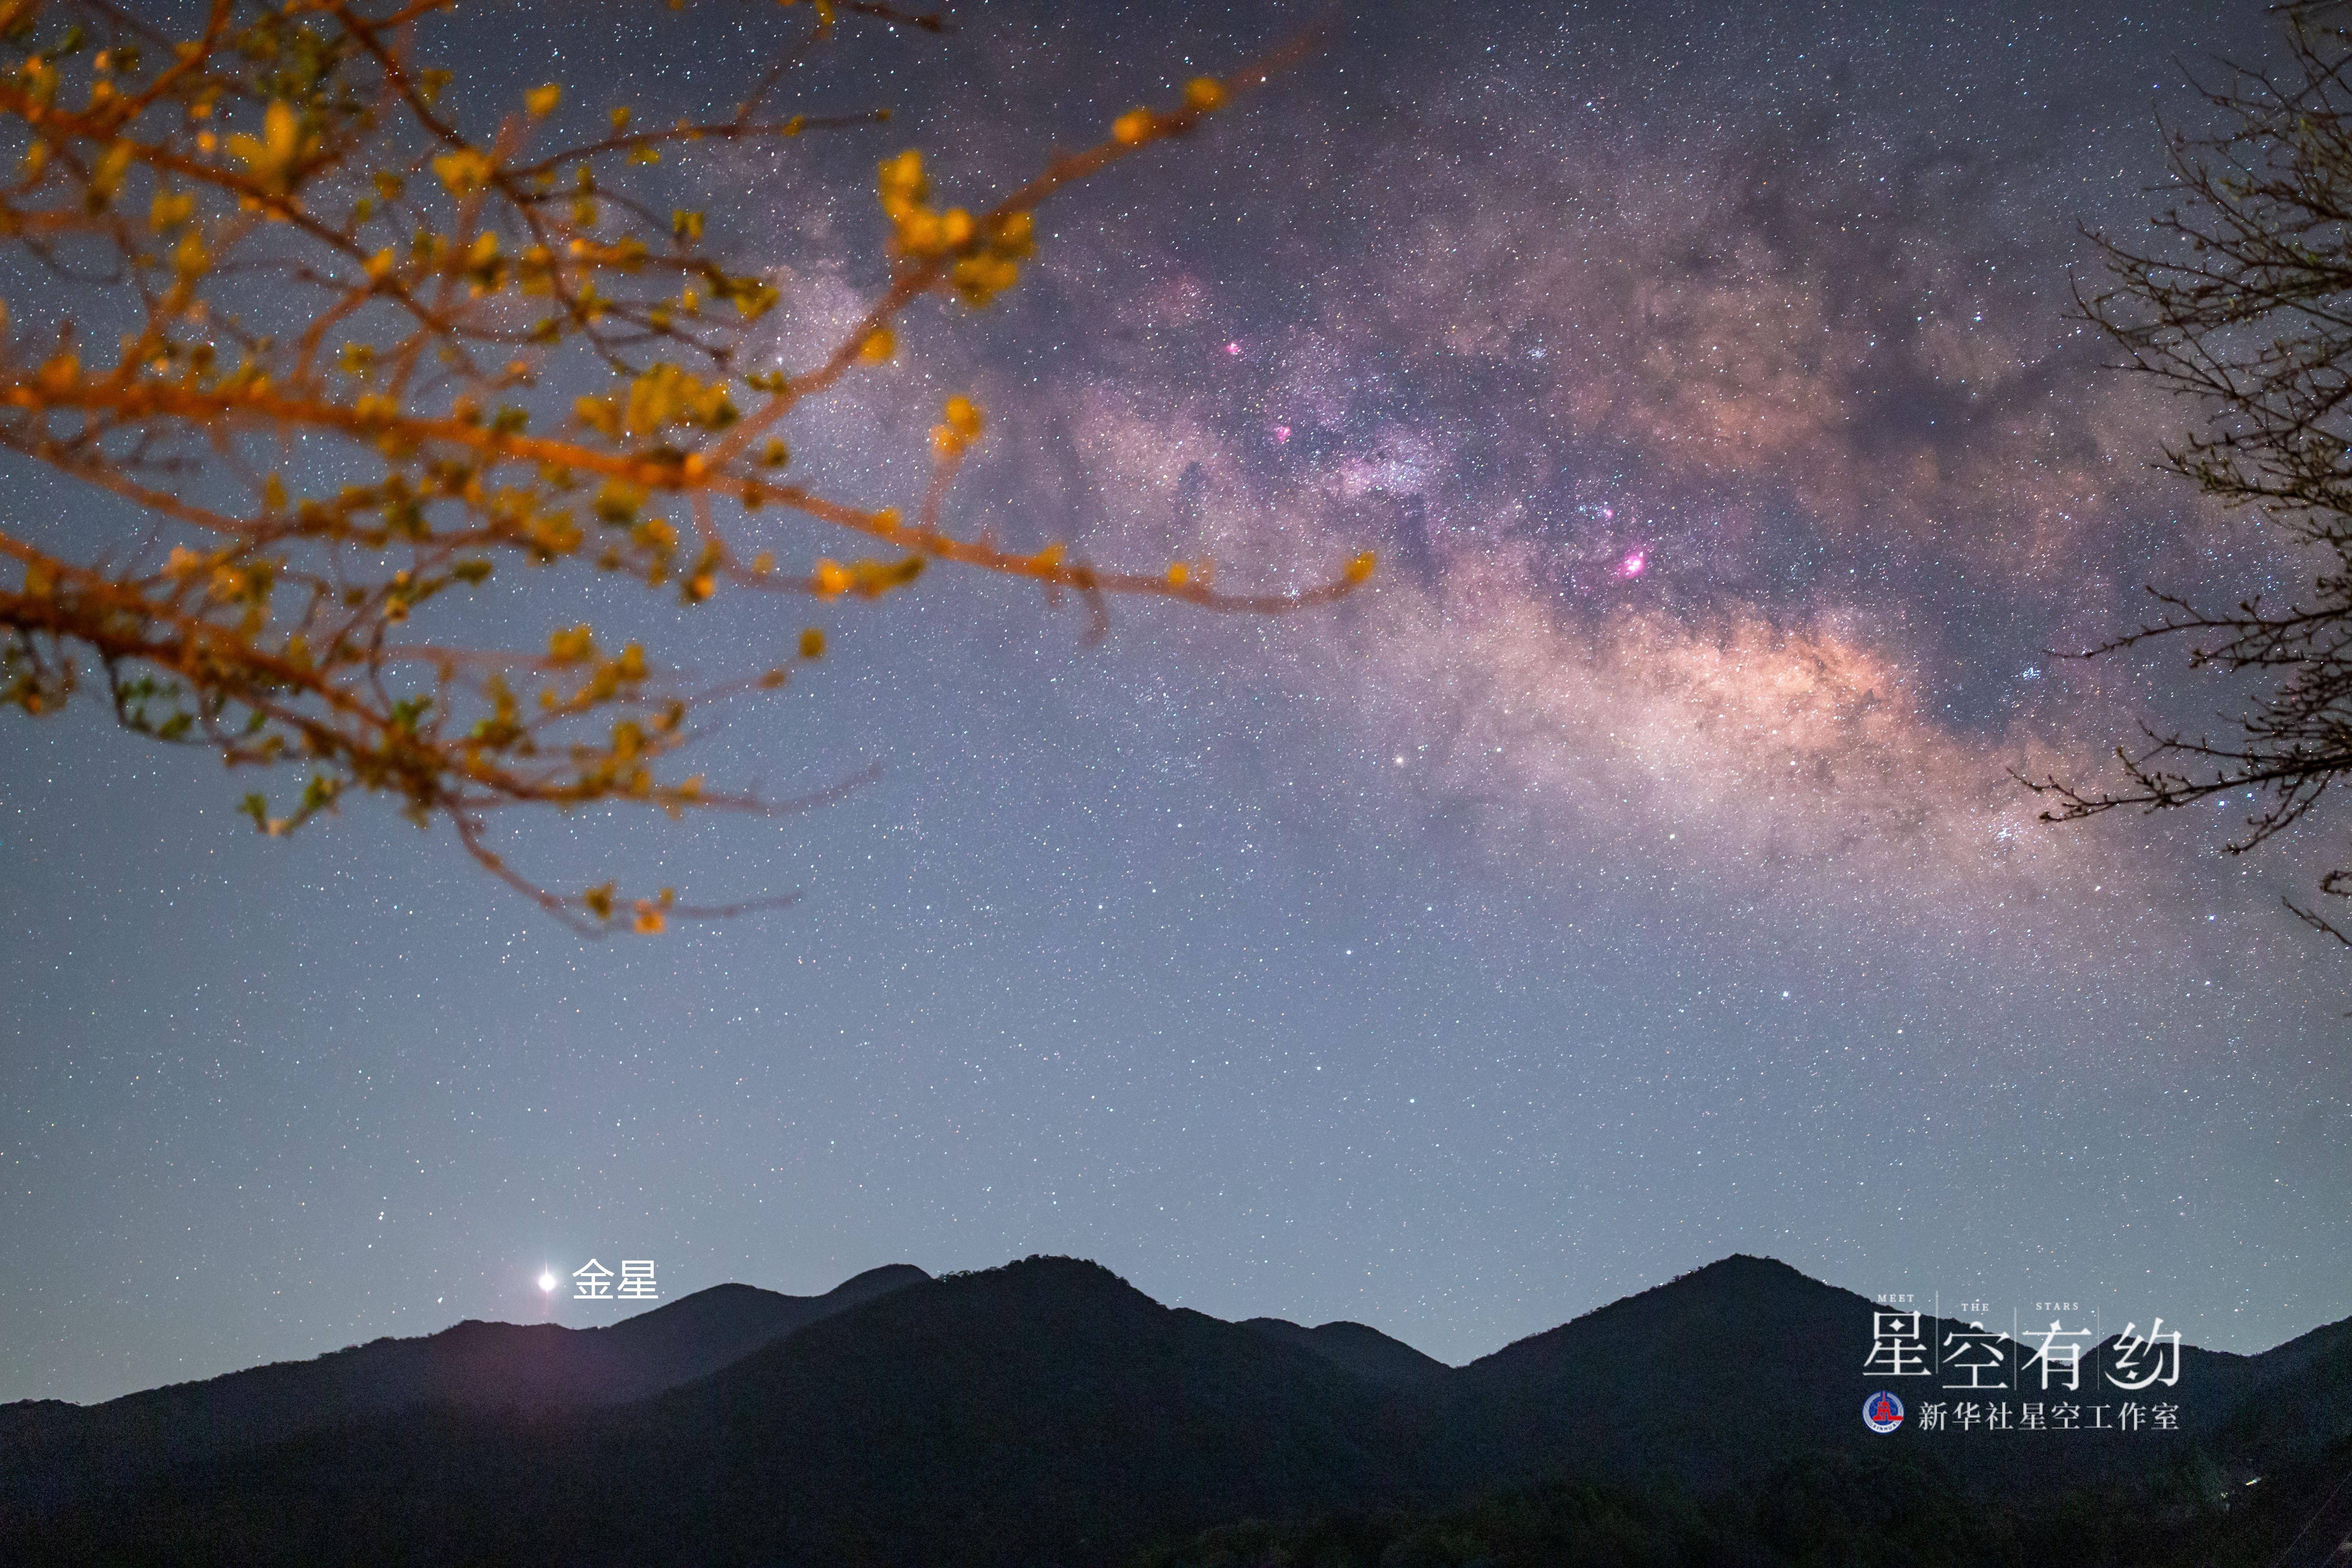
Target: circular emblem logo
1882,1412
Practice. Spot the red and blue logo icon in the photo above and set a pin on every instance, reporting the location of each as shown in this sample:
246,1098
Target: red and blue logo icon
1882,1413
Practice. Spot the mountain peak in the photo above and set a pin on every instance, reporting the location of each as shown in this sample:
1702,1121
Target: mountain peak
1745,1271
1050,1266
1742,1283
891,1275
1041,1277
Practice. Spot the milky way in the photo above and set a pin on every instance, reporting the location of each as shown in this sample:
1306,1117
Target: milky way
1630,875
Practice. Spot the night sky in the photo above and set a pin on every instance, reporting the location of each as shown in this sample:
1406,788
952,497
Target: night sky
1629,876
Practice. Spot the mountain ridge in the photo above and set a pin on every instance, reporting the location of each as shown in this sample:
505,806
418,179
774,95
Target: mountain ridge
527,1367
1046,1411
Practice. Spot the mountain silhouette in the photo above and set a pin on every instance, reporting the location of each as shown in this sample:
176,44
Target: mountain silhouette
1364,1350
530,1368
1048,1407
1048,1413
1655,1383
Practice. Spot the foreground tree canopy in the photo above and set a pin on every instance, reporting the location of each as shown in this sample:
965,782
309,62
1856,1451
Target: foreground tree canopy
2244,304
344,346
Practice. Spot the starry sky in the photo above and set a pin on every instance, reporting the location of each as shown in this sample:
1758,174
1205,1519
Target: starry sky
1629,876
